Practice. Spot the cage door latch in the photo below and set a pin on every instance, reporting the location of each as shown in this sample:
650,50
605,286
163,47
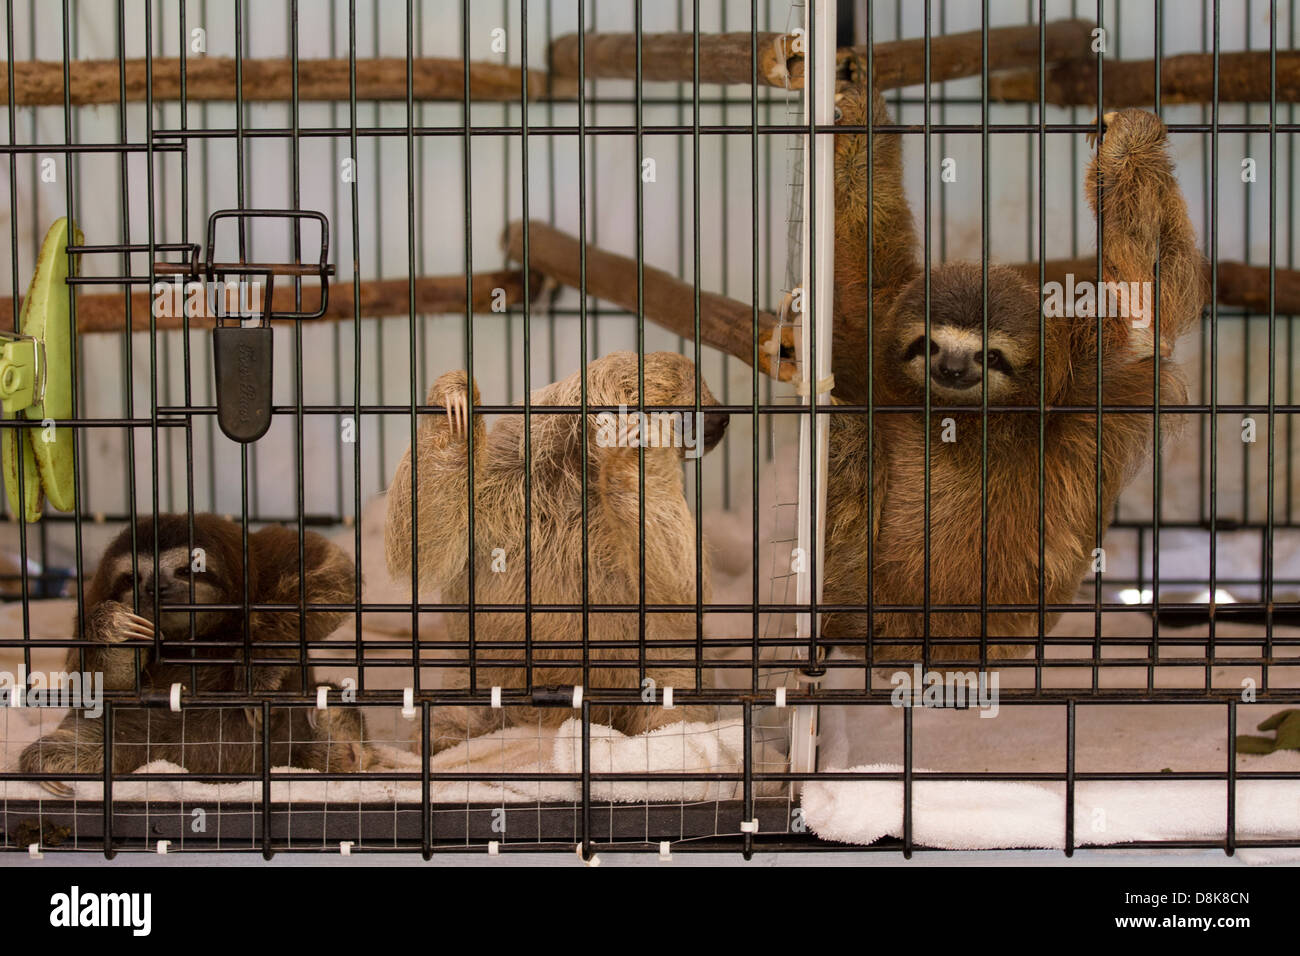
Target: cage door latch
240,299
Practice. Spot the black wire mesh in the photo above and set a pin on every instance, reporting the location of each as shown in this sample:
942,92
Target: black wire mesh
165,393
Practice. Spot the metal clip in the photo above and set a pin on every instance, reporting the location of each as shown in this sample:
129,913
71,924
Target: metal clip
22,372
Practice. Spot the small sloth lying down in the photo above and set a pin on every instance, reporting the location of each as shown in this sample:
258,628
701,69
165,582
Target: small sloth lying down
205,740
613,541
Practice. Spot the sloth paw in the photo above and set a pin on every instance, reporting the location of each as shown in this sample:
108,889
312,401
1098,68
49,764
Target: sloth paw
452,392
113,622
60,752
1125,133
457,405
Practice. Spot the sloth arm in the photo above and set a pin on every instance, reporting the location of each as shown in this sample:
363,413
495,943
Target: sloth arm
443,504
108,624
853,515
329,579
892,234
1143,220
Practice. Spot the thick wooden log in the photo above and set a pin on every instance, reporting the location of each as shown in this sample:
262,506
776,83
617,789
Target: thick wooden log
40,83
955,55
1186,78
106,312
725,324
1241,285
725,57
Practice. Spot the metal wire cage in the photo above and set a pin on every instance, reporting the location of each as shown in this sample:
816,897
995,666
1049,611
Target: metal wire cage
142,119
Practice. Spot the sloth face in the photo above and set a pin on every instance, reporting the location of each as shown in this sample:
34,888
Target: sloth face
954,361
957,360
176,573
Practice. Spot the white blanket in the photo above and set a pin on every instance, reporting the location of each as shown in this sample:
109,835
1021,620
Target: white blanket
974,815
698,747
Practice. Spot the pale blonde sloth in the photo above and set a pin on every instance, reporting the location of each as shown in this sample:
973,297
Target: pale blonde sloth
876,529
613,565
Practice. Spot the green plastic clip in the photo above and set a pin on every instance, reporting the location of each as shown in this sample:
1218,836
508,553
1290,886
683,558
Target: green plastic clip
21,368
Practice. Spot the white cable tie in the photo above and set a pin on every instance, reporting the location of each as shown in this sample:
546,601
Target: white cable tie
494,848
665,850
345,848
780,697
749,826
408,703
824,385
162,846
175,698
323,697
496,697
34,851
668,698
577,695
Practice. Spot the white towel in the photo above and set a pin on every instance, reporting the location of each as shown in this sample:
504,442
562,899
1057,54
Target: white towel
685,747
974,815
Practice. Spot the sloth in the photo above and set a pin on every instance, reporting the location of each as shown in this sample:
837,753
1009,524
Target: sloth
197,654
613,541
876,523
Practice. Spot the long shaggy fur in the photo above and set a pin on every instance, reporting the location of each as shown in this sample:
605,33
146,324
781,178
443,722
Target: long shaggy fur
613,557
883,514
217,740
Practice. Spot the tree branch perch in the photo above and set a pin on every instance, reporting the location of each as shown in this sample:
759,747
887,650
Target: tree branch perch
725,324
92,82
106,311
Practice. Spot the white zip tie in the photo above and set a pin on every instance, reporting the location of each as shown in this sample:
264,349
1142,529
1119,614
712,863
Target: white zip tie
749,826
323,697
176,698
665,851
577,695
496,697
34,851
824,385
345,848
162,846
668,698
16,695
408,703
494,848
595,857
780,697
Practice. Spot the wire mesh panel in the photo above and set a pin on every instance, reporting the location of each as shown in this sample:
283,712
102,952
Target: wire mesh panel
649,427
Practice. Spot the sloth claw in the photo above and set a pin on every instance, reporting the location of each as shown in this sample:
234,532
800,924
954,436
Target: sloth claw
457,406
56,787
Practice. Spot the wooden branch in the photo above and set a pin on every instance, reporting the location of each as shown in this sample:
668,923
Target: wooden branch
955,55
1186,78
1240,285
105,312
724,58
725,324
40,83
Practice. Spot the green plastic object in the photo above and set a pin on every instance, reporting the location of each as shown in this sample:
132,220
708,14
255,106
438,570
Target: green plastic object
1285,724
36,380
21,455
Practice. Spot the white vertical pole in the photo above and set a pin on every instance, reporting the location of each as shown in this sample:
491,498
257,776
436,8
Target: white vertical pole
818,275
